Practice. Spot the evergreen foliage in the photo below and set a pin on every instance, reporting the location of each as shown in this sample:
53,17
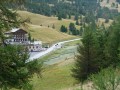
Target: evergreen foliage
100,48
55,7
76,17
53,26
86,60
15,70
59,17
29,37
77,22
113,44
63,29
81,31
72,28
107,79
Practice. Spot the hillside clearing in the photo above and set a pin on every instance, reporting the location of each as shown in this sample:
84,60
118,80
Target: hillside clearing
41,27
109,5
55,77
37,19
102,21
47,35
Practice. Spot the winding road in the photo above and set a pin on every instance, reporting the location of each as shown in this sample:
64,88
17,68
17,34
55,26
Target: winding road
52,48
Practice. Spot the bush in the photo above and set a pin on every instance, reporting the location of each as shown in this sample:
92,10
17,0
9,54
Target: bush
107,79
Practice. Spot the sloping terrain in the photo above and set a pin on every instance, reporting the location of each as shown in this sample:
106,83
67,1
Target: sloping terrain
47,35
40,27
110,5
41,20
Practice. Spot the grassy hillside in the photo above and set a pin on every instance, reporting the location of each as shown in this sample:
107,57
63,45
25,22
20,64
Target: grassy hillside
54,77
39,27
40,30
38,19
58,76
102,21
109,4
47,35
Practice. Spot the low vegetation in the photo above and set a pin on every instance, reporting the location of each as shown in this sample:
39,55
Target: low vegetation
48,35
14,71
54,77
41,20
107,79
97,60
41,27
57,76
98,51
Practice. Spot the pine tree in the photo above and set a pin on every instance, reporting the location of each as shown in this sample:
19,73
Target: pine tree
113,44
76,17
77,22
101,37
29,37
63,29
77,32
59,17
53,26
106,20
69,16
86,60
81,31
15,70
72,28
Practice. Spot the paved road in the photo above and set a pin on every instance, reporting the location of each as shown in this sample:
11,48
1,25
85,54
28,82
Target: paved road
54,47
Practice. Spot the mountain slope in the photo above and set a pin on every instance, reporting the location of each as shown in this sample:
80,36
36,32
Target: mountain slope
111,4
39,27
37,19
47,35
